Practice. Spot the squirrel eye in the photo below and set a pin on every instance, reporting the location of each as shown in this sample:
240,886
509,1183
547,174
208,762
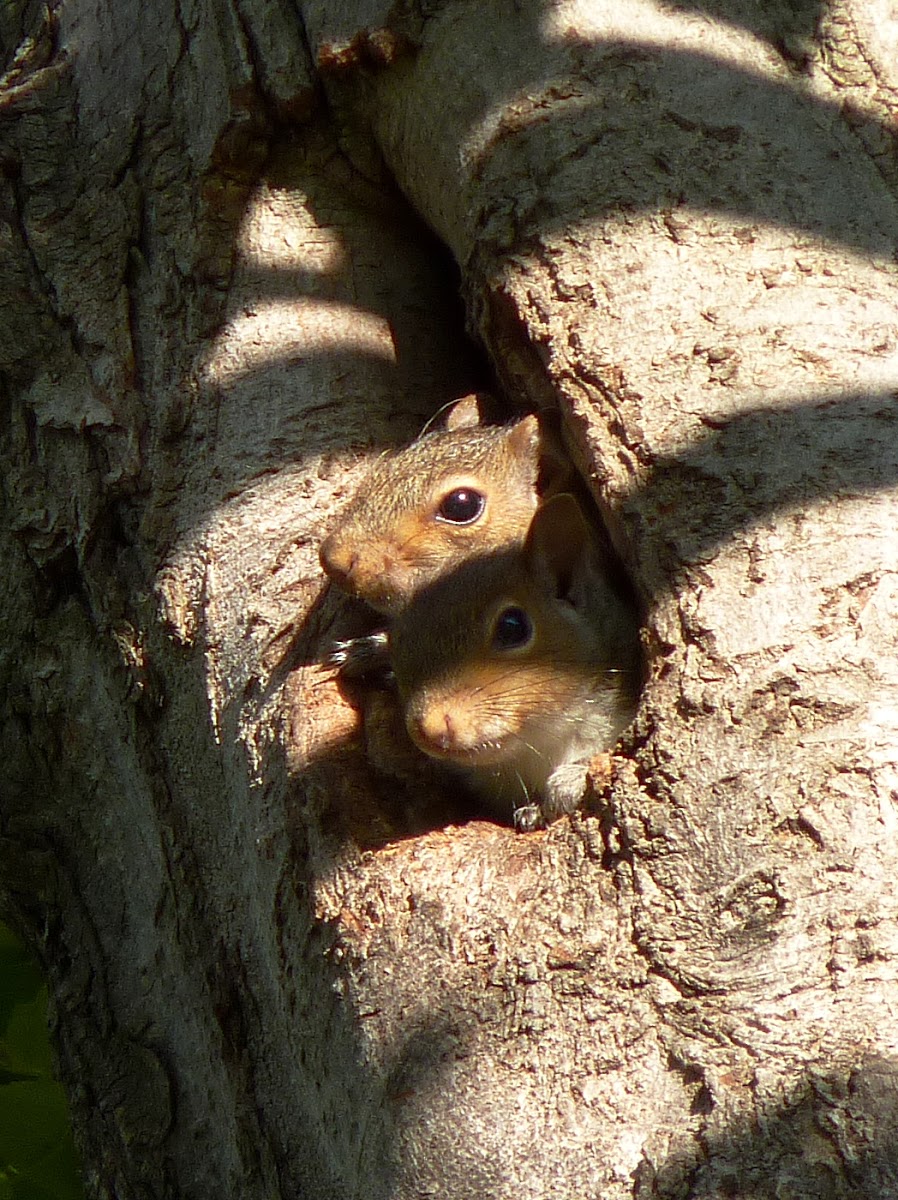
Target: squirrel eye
513,628
461,506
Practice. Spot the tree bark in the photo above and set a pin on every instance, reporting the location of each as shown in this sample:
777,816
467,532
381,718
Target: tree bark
276,970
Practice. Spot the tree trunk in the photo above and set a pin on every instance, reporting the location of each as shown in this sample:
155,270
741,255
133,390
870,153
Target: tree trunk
276,971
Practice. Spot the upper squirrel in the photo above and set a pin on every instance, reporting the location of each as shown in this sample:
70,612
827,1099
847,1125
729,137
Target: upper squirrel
517,666
462,490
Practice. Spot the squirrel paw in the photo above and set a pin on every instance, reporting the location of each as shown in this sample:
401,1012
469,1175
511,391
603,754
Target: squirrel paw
528,817
565,790
356,658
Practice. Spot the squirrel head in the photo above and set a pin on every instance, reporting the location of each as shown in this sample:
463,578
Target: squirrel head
514,657
463,490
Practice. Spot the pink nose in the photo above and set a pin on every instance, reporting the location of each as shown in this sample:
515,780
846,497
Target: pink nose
433,730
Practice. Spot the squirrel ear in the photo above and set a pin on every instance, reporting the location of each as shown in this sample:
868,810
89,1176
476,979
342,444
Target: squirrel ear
556,471
524,438
468,412
561,548
537,443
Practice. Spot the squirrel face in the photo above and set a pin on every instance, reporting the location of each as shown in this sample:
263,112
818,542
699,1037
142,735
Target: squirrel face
519,661
426,508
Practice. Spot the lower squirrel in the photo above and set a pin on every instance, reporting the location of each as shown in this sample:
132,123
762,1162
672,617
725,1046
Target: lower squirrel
518,666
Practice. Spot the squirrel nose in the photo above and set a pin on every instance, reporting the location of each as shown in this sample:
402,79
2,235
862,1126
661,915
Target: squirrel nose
337,561
433,730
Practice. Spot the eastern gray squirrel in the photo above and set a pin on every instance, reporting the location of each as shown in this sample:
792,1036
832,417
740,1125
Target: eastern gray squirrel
521,664
461,490
513,641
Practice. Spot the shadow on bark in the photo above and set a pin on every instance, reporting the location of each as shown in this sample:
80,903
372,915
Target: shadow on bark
835,1138
764,461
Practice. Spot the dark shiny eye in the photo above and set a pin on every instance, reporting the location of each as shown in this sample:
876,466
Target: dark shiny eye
461,506
513,628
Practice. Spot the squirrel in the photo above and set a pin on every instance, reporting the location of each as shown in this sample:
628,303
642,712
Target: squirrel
518,666
465,489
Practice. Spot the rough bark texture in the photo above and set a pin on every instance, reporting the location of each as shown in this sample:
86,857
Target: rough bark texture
680,227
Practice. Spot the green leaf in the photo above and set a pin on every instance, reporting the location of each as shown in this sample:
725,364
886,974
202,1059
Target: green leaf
33,1119
20,980
57,1176
37,1154
27,1049
24,1189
